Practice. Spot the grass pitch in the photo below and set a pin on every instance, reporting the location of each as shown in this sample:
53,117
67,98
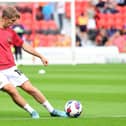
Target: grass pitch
101,88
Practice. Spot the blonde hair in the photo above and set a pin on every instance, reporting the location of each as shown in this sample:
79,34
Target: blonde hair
10,12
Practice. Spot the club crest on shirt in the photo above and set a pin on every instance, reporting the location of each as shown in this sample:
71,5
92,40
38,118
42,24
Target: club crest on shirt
9,40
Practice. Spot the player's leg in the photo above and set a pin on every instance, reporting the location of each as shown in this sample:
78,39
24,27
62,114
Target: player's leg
19,100
20,80
30,89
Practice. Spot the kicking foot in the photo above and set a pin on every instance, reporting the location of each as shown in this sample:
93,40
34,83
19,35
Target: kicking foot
35,115
58,113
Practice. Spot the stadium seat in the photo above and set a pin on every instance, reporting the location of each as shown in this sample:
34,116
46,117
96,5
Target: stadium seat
109,20
118,16
124,14
78,8
27,16
44,24
78,5
27,25
101,22
85,5
124,9
44,27
37,25
52,24
118,23
67,9
51,40
53,27
43,40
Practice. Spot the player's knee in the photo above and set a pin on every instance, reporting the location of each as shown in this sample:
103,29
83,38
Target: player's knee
9,88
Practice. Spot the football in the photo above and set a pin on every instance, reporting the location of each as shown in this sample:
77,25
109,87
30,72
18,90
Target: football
73,108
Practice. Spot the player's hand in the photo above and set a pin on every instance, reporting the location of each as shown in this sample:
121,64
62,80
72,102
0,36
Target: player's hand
45,61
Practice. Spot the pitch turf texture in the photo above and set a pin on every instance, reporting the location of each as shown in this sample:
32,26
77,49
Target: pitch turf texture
100,88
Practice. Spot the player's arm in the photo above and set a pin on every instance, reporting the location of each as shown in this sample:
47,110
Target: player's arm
32,51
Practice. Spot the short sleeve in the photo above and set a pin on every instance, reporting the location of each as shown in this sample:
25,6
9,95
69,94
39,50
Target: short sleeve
17,41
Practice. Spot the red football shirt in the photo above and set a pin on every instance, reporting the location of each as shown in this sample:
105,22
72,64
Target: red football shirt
8,37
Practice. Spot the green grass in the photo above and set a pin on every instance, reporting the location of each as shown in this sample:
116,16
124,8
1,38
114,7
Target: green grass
101,88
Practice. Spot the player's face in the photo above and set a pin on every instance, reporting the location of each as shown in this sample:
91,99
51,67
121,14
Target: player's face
9,21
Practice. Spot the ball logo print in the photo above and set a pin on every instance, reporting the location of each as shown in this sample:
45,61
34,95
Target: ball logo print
77,105
73,108
68,110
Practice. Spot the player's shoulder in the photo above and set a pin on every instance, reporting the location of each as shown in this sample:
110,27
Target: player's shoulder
11,30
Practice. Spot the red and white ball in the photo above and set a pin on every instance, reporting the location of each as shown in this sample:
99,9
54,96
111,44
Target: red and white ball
73,108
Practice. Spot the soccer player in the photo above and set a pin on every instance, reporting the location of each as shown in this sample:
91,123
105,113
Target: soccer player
10,76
